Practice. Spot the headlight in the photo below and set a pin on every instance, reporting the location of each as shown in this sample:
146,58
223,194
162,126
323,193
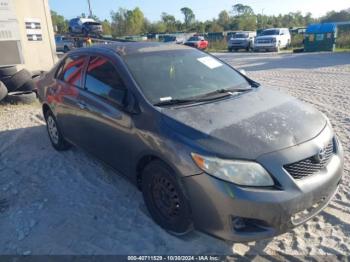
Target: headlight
273,40
244,173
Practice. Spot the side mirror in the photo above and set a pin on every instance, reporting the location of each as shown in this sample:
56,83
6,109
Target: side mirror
131,104
243,72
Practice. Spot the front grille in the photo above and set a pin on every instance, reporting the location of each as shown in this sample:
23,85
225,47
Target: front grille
264,41
311,165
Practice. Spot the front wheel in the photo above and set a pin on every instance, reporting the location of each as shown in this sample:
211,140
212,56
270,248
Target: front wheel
164,198
55,135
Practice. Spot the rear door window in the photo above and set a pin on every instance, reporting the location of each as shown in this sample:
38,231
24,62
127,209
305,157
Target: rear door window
71,70
102,79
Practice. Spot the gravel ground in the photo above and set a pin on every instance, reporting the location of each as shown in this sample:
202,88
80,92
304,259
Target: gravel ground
69,203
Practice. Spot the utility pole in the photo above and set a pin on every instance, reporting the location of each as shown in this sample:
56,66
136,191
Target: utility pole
90,11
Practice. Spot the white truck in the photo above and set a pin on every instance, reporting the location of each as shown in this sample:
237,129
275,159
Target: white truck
272,39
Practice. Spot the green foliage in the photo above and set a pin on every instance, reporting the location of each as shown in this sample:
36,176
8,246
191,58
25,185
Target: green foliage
169,22
127,22
343,40
224,20
220,45
333,16
297,41
189,17
215,27
240,9
59,23
107,28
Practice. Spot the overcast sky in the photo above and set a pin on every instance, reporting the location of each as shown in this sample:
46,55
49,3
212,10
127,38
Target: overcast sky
203,9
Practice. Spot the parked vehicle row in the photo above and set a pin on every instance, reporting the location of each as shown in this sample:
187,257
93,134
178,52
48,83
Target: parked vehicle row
272,39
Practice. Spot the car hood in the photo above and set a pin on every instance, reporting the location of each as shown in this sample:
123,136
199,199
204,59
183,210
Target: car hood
246,126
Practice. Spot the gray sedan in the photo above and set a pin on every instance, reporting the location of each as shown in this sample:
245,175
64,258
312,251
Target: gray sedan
208,147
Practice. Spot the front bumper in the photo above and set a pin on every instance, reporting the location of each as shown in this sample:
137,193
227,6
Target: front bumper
267,46
218,205
238,45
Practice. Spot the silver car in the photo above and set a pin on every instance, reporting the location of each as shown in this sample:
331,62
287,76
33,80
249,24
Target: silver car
241,40
85,26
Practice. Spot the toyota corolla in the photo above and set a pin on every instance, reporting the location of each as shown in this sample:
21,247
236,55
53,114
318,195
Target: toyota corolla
210,148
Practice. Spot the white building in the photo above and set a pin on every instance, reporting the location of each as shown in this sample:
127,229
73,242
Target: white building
26,34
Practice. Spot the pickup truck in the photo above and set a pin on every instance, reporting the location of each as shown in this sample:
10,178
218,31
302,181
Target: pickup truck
63,44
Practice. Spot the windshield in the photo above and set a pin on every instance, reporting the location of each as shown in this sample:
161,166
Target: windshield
181,74
241,35
270,32
92,23
194,38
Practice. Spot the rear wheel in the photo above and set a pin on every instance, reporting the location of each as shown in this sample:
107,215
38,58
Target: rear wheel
55,135
164,198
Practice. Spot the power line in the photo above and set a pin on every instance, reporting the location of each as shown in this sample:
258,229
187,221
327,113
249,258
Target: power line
90,11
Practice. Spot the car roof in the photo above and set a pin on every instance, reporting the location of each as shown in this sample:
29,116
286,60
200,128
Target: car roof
277,28
130,48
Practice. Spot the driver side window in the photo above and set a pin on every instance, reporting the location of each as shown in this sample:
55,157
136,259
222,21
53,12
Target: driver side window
103,80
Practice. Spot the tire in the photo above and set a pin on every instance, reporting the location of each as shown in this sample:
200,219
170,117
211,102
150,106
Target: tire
7,71
4,79
28,86
55,135
248,48
165,200
3,91
20,97
18,80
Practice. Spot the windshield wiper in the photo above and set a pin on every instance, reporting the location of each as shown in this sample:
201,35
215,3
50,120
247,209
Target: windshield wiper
174,102
225,91
217,94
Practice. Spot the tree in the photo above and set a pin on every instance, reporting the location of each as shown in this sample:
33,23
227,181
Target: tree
215,27
127,22
169,21
59,23
333,16
189,16
106,26
224,19
240,9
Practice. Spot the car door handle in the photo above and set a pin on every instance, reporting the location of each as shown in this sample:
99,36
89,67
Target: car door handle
82,105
